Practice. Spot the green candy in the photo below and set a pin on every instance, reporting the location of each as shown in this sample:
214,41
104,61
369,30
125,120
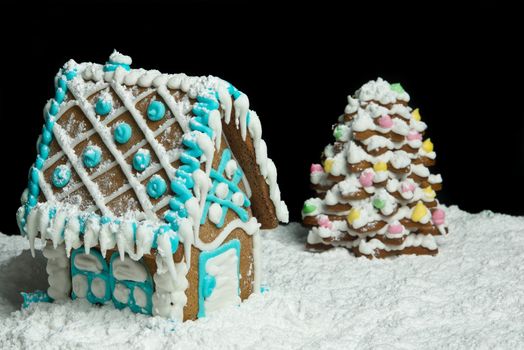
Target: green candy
337,133
397,88
379,203
308,208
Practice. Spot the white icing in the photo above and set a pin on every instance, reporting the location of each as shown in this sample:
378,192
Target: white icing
400,160
80,286
87,262
57,269
224,268
380,91
352,105
117,57
121,293
129,270
215,213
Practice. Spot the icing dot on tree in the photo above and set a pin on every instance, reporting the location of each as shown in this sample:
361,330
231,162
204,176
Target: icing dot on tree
122,133
156,111
61,176
91,156
156,187
141,160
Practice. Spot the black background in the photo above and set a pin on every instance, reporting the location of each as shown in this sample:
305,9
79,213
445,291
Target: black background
297,63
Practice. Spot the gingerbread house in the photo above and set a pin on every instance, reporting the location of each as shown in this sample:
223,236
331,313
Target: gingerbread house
149,190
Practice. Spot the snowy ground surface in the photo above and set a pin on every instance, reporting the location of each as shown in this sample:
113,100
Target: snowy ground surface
470,296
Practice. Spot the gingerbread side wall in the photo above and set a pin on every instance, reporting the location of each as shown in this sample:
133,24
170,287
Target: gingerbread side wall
244,151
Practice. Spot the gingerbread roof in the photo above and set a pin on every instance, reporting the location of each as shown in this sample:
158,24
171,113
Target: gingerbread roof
136,145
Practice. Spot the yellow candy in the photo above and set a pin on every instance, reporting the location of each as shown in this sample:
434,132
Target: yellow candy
419,212
380,166
427,146
416,114
429,192
353,215
328,165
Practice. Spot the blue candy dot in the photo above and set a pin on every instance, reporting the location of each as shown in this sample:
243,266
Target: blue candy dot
141,160
122,133
34,189
49,122
61,176
156,111
170,216
47,137
53,108
39,164
31,200
92,156
156,187
62,84
103,107
105,220
33,174
70,74
59,95
43,150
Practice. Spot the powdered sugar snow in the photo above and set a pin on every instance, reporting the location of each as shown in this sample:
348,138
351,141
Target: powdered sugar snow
469,296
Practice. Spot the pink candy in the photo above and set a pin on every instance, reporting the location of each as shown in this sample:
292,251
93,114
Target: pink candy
366,178
395,228
407,187
385,121
323,221
316,168
438,217
413,135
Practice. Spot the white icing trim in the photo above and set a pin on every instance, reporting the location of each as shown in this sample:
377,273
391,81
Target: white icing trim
58,271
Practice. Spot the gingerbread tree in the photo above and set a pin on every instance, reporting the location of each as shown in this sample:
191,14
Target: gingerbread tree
375,193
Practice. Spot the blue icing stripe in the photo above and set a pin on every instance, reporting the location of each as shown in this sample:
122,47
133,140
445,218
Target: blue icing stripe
61,176
207,282
122,133
111,66
210,283
103,107
233,91
227,202
38,296
156,111
91,156
156,187
46,138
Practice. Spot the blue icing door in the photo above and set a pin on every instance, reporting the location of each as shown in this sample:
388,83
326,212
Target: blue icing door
90,276
218,278
131,284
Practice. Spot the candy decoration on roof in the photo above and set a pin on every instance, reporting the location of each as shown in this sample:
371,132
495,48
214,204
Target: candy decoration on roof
376,187
142,191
